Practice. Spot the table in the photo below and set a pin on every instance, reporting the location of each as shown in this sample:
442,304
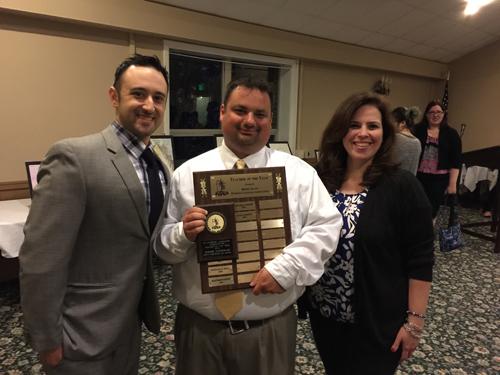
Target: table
488,158
13,215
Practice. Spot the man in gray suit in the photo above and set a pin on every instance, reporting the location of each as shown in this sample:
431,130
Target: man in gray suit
86,274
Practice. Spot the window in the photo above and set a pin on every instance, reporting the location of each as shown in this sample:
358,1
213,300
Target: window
269,74
198,78
195,92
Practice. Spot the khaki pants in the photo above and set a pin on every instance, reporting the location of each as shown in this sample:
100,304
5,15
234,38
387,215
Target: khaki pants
207,347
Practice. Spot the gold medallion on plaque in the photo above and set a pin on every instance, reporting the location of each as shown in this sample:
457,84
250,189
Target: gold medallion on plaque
217,242
216,222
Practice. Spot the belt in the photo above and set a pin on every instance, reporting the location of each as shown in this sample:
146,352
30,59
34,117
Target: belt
235,326
239,326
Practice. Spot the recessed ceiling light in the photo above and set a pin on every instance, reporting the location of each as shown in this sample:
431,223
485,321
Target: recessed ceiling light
473,6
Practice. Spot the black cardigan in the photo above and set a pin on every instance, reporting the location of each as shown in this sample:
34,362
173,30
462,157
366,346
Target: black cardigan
393,243
449,149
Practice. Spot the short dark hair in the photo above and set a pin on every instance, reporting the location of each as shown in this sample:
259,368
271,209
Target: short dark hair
408,115
139,60
250,83
400,114
333,162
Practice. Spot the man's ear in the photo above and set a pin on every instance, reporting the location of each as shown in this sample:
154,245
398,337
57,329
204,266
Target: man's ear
222,111
114,97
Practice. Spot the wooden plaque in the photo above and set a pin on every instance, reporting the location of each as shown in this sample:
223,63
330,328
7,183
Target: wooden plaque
259,199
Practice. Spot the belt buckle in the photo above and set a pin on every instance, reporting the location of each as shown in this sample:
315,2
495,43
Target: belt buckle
235,331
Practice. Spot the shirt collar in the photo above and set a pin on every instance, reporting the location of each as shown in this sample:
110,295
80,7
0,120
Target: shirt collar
259,159
130,142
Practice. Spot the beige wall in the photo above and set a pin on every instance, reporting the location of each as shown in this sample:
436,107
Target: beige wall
325,86
147,17
475,97
52,87
62,55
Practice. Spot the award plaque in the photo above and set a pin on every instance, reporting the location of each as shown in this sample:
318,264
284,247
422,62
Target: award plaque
248,224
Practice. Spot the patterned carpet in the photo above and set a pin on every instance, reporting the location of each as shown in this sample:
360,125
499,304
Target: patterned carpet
461,336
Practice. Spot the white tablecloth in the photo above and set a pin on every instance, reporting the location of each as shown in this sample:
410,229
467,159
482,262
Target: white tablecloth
472,175
13,215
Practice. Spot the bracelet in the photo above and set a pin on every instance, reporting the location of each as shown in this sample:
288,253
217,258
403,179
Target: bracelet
415,327
413,333
415,314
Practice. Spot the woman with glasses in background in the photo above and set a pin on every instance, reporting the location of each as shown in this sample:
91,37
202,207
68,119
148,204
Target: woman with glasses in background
441,153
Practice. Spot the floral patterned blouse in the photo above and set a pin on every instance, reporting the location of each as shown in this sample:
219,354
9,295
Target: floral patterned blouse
429,162
333,294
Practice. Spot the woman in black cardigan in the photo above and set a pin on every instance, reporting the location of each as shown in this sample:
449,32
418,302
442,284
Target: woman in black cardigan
440,157
367,311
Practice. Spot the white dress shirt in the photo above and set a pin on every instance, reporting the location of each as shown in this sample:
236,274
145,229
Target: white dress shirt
315,227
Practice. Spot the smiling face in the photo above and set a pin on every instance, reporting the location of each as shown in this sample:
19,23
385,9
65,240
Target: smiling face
140,104
435,115
246,120
364,136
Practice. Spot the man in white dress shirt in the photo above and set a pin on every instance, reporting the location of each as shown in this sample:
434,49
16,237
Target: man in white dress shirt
264,340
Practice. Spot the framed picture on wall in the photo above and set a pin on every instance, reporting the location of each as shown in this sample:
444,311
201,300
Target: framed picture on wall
218,139
280,146
166,151
32,171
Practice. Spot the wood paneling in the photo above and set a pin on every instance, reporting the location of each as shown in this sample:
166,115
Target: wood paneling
14,190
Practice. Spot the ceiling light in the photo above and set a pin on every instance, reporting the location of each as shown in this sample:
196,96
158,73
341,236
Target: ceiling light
473,6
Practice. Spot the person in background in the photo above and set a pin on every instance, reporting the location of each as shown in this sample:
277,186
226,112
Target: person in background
265,321
440,159
367,311
85,265
406,147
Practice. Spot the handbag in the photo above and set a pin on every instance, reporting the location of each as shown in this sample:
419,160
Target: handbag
450,238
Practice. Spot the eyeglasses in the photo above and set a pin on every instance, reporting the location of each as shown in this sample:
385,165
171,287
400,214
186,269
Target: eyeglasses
435,113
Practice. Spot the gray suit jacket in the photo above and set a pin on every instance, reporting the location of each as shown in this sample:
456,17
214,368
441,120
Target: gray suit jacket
86,272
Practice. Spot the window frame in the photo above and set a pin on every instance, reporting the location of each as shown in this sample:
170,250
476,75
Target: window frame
289,84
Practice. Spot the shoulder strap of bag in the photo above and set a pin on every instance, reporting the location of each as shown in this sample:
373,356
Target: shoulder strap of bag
451,201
